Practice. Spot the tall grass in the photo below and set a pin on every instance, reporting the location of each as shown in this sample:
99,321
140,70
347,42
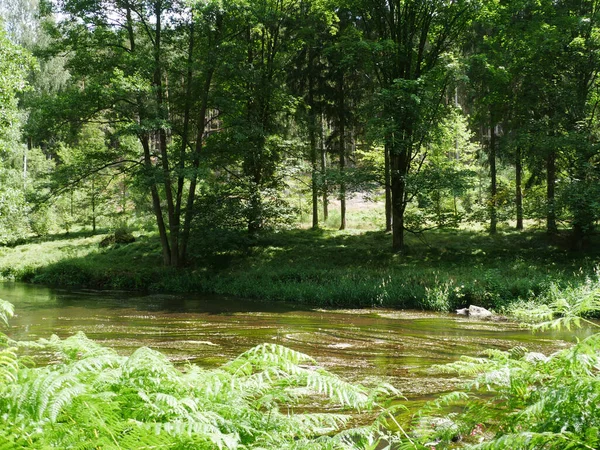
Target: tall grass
439,271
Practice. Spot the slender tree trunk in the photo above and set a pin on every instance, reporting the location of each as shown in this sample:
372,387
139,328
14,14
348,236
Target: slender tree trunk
200,124
312,133
314,180
93,206
550,190
342,150
493,177
27,150
398,205
129,26
388,189
519,189
185,137
162,141
324,172
400,165
162,229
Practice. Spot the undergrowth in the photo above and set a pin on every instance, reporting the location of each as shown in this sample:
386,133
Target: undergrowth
441,270
268,397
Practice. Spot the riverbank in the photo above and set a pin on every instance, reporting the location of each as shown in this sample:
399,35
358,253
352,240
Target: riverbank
440,270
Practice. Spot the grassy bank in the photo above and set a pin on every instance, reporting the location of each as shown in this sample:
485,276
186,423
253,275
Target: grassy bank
440,270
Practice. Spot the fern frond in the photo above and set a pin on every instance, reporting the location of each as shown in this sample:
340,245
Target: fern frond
266,354
346,394
197,429
7,310
64,398
97,363
9,366
51,391
466,366
530,440
150,365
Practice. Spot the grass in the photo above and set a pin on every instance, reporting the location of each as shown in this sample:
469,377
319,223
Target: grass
440,270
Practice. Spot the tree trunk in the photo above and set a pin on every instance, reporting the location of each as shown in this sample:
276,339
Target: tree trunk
519,189
493,177
93,206
388,189
400,163
398,191
324,172
342,150
162,141
185,137
312,133
550,189
162,230
200,124
314,180
25,152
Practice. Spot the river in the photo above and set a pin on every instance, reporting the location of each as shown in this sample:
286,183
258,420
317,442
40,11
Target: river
361,345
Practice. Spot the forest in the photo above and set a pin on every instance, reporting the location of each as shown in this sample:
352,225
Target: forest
191,116
399,154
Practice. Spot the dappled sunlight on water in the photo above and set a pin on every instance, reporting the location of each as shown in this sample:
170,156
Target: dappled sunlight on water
362,345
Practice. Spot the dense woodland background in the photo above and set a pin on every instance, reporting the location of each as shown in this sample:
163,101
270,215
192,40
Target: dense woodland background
234,138
182,116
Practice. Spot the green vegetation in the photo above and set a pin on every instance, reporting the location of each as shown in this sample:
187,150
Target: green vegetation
274,397
189,118
441,270
215,131
525,400
91,397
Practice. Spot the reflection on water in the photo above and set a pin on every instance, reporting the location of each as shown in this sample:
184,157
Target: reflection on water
208,330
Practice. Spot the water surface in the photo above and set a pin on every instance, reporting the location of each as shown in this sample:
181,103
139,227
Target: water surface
361,345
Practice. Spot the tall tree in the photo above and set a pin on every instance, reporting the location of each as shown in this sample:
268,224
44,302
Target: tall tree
413,39
147,68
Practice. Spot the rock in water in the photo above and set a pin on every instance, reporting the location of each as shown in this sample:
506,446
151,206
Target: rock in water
475,311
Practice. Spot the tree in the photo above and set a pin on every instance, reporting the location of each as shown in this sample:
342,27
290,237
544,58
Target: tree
15,63
146,68
413,40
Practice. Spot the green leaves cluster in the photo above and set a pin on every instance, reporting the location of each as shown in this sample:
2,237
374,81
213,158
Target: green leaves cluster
526,400
92,397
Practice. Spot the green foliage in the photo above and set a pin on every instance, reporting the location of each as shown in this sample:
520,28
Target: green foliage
268,397
15,63
526,400
442,270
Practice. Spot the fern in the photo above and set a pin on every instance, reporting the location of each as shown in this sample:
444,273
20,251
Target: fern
7,310
268,397
530,400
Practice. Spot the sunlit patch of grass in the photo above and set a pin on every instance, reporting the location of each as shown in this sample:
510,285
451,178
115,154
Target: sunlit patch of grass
439,270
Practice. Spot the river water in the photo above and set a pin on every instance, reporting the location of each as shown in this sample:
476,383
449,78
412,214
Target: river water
361,345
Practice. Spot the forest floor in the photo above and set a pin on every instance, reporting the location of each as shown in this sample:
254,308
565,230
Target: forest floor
440,270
